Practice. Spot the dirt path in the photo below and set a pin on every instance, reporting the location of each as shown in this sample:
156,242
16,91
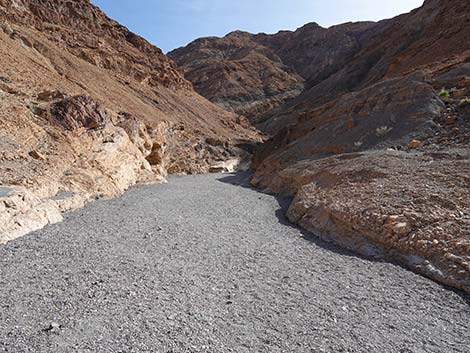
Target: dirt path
203,265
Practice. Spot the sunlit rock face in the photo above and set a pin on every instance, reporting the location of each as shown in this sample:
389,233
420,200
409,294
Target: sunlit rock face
373,149
89,108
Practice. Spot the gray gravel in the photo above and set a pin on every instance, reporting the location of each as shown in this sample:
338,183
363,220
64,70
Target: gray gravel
202,265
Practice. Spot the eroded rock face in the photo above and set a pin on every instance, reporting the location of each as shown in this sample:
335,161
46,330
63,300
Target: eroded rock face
89,108
22,211
86,32
376,159
79,112
408,207
390,113
238,74
315,52
86,156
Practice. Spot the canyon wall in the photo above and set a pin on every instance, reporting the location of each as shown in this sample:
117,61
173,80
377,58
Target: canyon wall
88,108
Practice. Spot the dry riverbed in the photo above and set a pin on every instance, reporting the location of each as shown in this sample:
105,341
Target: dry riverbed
206,264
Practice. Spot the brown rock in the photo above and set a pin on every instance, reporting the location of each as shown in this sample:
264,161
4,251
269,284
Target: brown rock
37,155
323,132
74,113
252,74
401,228
98,114
415,144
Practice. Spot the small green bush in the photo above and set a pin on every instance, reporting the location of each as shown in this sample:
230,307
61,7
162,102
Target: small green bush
444,93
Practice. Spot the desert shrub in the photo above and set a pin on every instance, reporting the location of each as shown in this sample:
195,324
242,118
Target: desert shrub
382,131
444,93
358,144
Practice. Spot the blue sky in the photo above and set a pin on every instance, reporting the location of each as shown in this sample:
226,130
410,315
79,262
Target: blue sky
173,23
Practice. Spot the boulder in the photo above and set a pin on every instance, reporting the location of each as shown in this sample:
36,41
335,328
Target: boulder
415,144
74,113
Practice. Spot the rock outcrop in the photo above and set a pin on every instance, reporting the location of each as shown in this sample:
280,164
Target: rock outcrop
389,113
375,149
400,192
89,108
430,40
409,207
377,155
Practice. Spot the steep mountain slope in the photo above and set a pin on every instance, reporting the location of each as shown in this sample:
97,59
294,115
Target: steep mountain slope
89,108
430,39
376,156
315,52
378,161
252,74
390,83
238,74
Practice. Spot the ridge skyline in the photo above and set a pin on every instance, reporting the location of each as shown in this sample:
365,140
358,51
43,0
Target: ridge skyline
171,26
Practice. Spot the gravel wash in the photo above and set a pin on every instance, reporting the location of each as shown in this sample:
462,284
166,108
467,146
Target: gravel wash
206,264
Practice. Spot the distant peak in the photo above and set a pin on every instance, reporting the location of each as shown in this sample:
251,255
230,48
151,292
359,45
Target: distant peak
239,33
310,26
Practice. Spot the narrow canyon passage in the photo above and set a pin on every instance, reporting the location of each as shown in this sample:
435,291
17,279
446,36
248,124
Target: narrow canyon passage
206,264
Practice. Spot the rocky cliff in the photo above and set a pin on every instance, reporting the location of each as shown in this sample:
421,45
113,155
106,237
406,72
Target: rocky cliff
375,149
377,155
89,108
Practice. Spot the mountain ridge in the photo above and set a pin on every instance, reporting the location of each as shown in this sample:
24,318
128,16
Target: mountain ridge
254,73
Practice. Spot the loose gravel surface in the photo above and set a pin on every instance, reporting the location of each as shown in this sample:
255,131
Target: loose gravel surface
205,265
